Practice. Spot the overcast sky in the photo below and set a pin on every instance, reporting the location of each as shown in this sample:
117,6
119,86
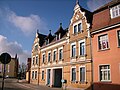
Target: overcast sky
19,20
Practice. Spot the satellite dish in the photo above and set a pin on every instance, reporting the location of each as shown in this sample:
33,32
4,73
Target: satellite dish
5,58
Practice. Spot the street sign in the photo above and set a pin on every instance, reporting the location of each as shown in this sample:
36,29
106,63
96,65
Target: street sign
5,58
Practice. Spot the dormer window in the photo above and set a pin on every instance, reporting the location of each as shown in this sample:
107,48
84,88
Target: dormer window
77,27
47,42
115,11
57,37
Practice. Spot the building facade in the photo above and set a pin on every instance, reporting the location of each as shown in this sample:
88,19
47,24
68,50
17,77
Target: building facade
11,68
106,46
83,56
65,55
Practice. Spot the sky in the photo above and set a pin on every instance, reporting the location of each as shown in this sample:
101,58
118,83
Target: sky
20,19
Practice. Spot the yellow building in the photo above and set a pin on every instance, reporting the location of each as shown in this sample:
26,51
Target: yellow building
11,70
66,55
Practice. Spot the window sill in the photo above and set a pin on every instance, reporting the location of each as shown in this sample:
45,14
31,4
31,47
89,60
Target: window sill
103,49
105,81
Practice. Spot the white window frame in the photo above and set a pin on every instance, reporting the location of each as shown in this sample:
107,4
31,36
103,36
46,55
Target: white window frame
55,50
42,75
74,43
99,47
85,72
37,60
107,70
33,59
84,45
42,57
48,56
115,8
59,53
36,74
33,75
76,24
71,73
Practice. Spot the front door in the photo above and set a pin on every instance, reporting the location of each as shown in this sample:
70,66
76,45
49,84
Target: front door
48,77
57,78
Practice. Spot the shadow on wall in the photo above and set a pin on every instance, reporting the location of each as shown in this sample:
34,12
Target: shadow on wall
105,86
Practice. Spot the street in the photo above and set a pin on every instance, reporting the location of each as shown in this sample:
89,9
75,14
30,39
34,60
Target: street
13,84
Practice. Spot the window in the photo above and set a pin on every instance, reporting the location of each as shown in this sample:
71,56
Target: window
73,74
35,74
115,11
82,74
103,42
104,72
42,75
36,47
75,29
73,50
43,58
47,42
60,54
36,59
82,48
118,32
33,61
54,55
79,27
49,57
32,74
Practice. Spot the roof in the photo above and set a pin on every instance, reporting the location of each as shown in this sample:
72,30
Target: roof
41,38
102,18
110,4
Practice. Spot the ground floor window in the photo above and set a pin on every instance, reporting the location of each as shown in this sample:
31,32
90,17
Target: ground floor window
42,75
32,74
104,72
35,74
73,74
82,74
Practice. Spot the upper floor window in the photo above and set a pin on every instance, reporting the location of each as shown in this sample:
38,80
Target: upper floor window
43,58
82,48
73,78
77,27
60,54
82,74
49,56
33,61
115,11
36,59
54,55
36,47
118,32
73,50
103,42
104,72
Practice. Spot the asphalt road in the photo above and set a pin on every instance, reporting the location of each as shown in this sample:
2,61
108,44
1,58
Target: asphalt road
13,84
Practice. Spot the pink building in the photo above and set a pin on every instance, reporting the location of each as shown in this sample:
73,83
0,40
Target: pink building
106,46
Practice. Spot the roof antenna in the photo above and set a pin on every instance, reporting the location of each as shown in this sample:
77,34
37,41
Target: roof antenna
60,24
37,31
77,1
50,31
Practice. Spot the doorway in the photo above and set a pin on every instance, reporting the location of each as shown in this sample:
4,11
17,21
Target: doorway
57,77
